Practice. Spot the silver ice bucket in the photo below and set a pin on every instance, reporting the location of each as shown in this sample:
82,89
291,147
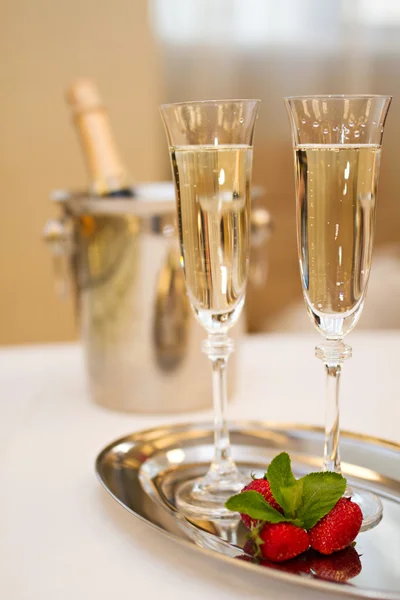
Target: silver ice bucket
141,340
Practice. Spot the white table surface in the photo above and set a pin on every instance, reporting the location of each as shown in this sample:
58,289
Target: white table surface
63,538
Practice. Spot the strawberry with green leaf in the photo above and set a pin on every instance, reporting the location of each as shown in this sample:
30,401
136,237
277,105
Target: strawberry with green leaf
262,487
282,534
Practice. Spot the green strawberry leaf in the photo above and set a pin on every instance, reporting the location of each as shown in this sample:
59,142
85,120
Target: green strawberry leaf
292,497
254,504
321,491
280,476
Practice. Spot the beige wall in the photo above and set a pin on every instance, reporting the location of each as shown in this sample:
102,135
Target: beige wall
45,44
187,49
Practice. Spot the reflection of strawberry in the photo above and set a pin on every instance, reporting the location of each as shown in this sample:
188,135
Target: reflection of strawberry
249,548
338,528
246,558
298,566
282,541
340,566
262,487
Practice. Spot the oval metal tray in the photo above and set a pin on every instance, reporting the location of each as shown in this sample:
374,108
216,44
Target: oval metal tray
141,471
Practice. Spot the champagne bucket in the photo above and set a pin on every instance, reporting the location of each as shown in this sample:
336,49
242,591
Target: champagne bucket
141,340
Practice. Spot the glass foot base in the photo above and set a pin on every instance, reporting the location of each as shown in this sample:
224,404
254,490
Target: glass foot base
370,505
205,499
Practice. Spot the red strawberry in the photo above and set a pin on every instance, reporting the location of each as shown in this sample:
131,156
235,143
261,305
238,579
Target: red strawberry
282,541
338,528
340,566
262,487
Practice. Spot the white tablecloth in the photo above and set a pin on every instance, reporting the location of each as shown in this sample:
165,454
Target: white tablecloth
63,538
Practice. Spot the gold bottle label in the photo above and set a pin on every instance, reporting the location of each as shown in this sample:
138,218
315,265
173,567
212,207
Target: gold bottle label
108,174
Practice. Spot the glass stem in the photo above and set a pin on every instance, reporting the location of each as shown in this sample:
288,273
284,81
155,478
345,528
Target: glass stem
331,445
333,353
218,347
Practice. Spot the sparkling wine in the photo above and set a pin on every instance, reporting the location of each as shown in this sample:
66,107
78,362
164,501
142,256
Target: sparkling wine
213,195
336,193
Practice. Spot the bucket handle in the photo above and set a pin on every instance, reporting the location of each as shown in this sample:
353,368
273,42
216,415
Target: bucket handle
58,235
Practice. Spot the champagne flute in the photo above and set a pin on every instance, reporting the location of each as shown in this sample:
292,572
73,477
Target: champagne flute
211,154
337,147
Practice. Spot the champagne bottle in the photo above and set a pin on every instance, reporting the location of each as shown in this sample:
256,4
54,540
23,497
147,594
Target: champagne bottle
106,252
108,174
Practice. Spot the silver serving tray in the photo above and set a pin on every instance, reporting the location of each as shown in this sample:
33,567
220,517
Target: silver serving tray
141,470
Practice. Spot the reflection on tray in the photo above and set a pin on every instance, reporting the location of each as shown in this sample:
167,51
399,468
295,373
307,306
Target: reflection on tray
339,567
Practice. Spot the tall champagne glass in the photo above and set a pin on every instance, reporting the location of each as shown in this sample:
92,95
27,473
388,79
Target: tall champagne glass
211,154
337,147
